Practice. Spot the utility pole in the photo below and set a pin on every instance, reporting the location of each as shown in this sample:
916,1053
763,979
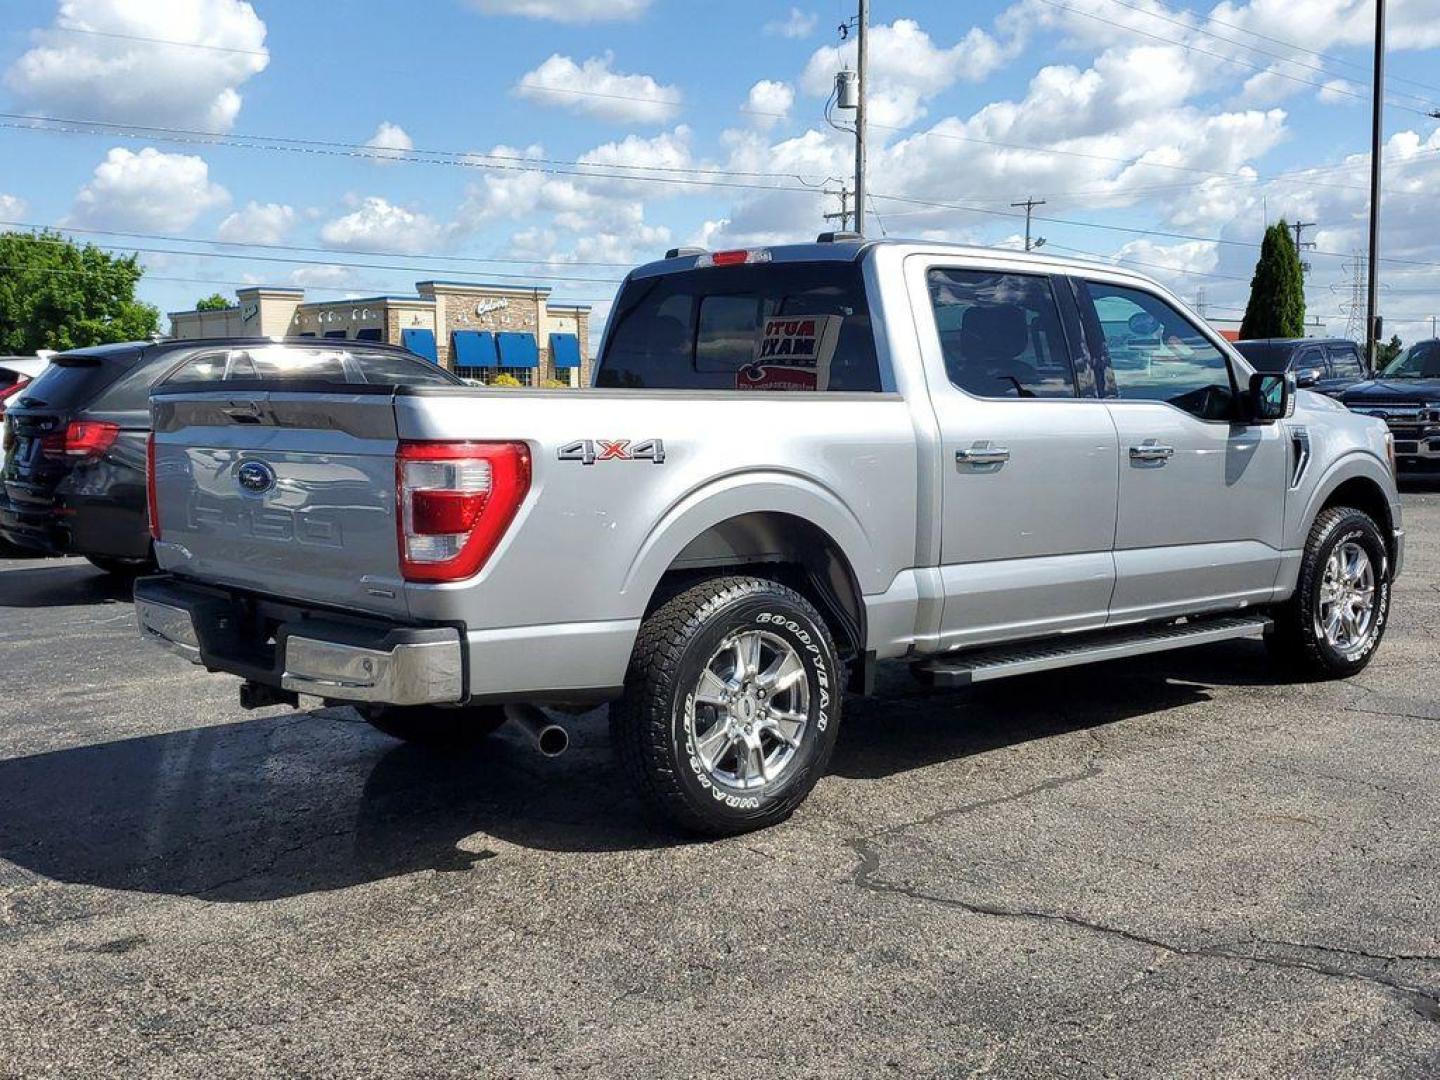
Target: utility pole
1029,204
844,215
1377,94
1300,245
863,57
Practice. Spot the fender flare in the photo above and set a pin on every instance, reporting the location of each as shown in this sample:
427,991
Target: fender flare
748,492
1354,465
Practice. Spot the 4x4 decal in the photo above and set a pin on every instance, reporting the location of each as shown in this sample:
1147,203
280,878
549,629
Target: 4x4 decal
589,451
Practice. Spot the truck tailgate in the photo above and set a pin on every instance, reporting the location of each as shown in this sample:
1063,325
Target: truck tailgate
284,493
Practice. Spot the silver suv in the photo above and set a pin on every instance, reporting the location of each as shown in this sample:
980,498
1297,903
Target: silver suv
796,462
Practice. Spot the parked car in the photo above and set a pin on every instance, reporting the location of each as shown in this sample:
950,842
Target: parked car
797,462
15,372
1328,365
1406,395
73,480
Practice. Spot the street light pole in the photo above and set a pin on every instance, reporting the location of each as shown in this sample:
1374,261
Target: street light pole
862,58
1377,93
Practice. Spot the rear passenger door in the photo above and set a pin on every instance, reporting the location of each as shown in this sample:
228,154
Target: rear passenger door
1028,457
1202,491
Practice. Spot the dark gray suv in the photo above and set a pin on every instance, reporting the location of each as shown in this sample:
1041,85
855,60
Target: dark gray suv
1328,365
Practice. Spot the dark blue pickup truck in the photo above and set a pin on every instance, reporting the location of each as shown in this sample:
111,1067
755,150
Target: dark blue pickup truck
1406,395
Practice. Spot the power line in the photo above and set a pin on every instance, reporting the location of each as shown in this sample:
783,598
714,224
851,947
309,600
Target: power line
1218,55
170,238
147,276
1198,29
121,249
1298,48
466,159
157,41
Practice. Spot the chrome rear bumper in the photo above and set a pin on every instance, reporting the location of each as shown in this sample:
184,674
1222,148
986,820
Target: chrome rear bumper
320,656
418,673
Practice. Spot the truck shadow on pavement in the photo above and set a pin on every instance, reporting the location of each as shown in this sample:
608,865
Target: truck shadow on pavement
43,583
298,803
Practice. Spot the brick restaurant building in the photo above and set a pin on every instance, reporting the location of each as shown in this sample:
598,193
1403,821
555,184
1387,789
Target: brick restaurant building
478,331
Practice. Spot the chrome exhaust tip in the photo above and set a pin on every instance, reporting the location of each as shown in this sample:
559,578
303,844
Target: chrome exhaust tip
549,738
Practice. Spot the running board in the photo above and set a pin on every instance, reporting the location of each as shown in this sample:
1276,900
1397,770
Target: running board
1002,661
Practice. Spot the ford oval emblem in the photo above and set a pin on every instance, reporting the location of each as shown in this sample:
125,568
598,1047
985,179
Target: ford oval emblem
255,477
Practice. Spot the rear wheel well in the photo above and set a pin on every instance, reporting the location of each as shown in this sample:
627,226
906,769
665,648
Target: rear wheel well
1362,493
787,549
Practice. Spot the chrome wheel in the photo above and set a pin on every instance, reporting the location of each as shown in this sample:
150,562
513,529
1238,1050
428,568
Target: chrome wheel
1347,597
749,710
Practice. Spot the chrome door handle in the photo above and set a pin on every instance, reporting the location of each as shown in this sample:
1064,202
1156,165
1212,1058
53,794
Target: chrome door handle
983,453
1151,451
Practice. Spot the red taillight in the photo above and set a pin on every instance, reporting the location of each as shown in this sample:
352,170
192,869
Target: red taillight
455,502
152,505
81,439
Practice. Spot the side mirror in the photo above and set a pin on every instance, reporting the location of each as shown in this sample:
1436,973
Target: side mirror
1308,377
1272,396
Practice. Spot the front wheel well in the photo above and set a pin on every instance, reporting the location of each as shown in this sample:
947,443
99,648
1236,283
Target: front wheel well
1365,494
785,548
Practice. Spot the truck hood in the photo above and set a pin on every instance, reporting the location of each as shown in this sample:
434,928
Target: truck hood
1416,390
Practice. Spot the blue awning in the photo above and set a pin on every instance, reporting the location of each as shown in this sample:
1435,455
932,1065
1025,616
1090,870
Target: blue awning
420,342
518,350
473,348
565,350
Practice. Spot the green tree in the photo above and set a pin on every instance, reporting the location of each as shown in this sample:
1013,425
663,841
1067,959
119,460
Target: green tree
55,294
213,302
1277,291
1387,352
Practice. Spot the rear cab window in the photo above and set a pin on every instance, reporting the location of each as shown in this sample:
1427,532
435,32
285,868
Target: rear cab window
802,326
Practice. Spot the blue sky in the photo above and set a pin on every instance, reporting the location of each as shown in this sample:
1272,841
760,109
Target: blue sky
604,131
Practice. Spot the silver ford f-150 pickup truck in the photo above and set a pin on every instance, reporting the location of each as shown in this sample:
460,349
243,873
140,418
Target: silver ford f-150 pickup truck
795,462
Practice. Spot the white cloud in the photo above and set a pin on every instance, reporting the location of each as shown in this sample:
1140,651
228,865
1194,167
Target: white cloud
797,24
594,89
12,208
907,68
149,191
90,63
376,224
566,11
389,142
769,102
325,277
1341,92
257,223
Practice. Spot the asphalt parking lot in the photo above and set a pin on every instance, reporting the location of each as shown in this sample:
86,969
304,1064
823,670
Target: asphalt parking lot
1172,867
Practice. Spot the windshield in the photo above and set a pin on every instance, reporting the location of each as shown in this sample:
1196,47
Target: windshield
1422,361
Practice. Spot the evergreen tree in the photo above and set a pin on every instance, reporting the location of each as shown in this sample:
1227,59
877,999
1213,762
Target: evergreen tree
1277,291
55,294
1385,353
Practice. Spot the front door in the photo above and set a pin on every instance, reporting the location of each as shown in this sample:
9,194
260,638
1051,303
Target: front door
1028,455
1202,492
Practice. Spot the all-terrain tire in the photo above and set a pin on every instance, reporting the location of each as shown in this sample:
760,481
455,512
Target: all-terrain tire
431,726
1299,637
654,725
